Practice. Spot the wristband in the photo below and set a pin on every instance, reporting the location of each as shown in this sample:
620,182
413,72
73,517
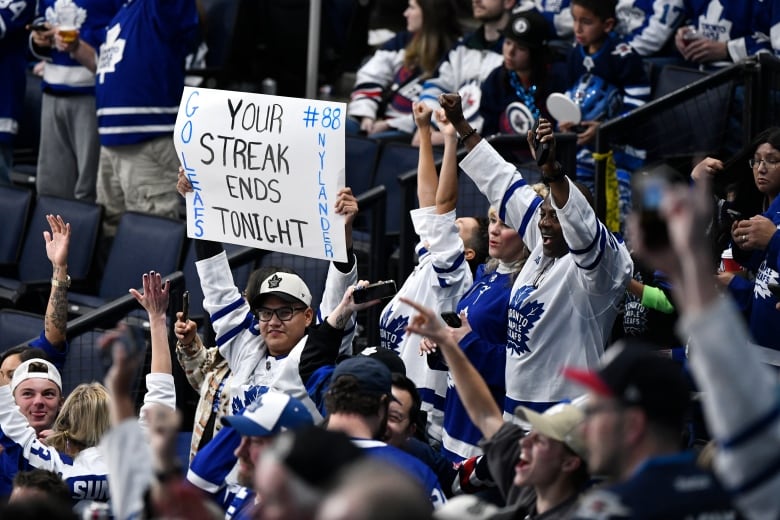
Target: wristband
557,177
468,134
60,283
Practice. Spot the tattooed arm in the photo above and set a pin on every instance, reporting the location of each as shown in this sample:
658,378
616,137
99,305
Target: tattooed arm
57,242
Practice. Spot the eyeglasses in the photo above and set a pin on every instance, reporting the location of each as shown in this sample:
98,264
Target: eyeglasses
768,162
283,313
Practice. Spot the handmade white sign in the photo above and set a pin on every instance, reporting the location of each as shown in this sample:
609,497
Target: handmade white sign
265,170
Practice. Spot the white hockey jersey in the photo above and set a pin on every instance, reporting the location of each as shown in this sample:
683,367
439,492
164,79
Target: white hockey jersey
441,277
561,309
239,340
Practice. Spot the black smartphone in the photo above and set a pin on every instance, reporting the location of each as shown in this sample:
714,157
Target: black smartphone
185,306
39,27
734,214
131,340
774,289
452,319
648,188
375,291
542,149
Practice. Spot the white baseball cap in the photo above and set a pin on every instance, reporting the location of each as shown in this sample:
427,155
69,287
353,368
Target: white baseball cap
272,413
560,422
36,368
287,286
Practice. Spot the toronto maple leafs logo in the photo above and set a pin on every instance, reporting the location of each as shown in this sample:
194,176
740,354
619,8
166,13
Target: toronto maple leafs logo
111,53
250,397
622,49
66,14
765,275
391,331
523,316
274,281
634,313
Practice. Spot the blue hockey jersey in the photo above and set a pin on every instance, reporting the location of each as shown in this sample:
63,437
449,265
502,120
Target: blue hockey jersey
13,47
670,487
61,73
487,306
140,70
743,26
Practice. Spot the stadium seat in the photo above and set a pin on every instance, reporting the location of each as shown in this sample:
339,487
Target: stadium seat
34,267
361,155
18,327
395,159
471,201
84,362
15,203
143,243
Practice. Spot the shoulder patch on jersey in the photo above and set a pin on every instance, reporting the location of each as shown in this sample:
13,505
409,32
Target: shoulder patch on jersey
622,49
602,504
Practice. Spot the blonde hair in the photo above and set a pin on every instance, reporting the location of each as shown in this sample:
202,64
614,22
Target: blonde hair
492,263
83,419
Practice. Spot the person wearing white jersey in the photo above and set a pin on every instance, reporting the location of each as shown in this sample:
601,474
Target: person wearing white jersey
262,339
447,247
564,301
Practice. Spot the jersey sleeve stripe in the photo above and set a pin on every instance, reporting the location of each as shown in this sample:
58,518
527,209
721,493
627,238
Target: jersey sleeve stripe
528,216
588,267
599,231
245,325
455,265
752,430
764,476
507,195
227,309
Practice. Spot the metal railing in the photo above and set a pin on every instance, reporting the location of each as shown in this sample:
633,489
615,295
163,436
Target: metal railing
716,115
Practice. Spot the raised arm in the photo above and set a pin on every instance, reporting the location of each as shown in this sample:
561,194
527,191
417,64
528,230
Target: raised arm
742,415
552,174
473,390
155,300
427,180
57,243
447,192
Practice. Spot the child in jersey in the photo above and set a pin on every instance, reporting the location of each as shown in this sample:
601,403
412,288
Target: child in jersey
607,78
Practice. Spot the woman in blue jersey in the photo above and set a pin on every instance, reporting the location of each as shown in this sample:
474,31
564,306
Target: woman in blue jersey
388,83
482,335
756,240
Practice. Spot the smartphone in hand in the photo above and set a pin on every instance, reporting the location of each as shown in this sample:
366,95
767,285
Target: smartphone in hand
375,291
452,319
185,306
542,149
